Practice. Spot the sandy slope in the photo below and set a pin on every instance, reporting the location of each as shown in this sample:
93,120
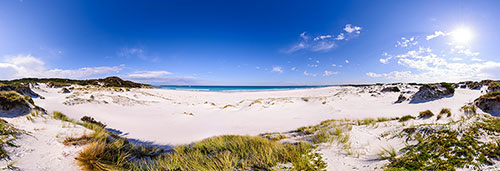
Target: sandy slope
164,116
41,148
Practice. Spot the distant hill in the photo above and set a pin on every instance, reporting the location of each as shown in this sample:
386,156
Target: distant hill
60,82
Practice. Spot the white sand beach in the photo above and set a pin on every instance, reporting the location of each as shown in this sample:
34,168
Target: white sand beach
173,117
168,118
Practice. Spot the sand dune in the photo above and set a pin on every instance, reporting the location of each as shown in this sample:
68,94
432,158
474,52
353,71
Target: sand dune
172,117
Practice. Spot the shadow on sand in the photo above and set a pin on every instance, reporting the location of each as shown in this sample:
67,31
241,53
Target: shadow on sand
166,147
430,100
16,112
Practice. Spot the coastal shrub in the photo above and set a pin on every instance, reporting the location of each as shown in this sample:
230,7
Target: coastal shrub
387,153
425,114
230,152
84,139
89,119
8,134
445,111
406,118
495,94
367,121
448,87
11,99
106,151
469,109
494,85
60,116
437,147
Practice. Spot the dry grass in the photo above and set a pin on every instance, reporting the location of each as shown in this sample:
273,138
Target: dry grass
425,114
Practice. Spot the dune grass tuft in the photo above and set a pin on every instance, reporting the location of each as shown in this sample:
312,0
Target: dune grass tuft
469,109
60,116
406,118
8,134
425,114
439,147
11,99
91,120
445,111
106,151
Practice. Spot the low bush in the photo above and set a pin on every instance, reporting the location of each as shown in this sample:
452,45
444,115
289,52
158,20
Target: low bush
406,118
91,120
445,111
442,148
8,134
11,99
449,87
60,116
469,109
425,114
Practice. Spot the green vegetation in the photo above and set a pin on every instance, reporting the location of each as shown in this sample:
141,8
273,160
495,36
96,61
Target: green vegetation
11,99
495,94
58,82
406,118
237,153
448,87
107,151
91,120
439,147
7,134
494,85
275,136
444,111
387,153
425,114
60,116
469,109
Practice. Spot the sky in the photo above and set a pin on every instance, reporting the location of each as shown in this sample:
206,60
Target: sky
188,42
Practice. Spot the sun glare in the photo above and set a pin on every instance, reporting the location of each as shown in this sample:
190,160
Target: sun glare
462,35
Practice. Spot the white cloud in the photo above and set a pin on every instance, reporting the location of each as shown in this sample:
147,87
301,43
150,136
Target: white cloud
297,47
309,74
323,42
312,65
436,34
476,59
352,29
257,67
161,78
341,36
328,73
323,37
317,61
431,67
22,66
293,68
334,65
303,35
148,74
374,75
277,69
346,61
467,52
385,60
323,46
406,42
131,52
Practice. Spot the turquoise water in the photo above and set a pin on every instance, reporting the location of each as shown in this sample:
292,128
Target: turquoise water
234,88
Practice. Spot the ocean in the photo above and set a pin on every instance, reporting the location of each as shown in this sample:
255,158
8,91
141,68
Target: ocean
234,88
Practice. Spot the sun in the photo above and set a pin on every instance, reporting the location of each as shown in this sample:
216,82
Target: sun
462,35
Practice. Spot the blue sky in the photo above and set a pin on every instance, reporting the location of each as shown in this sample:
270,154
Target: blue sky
251,42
